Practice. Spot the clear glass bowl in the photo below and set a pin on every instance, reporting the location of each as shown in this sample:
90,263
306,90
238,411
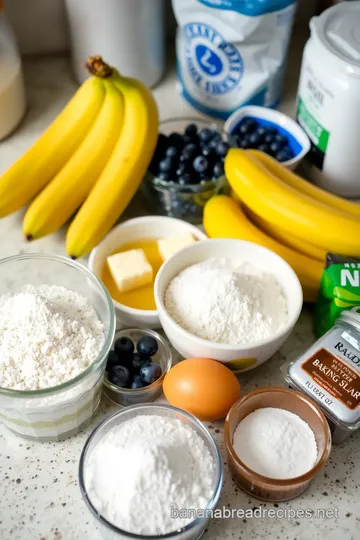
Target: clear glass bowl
58,412
173,200
163,357
193,530
257,485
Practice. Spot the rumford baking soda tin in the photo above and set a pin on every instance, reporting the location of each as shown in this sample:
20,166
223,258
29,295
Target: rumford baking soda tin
329,99
329,373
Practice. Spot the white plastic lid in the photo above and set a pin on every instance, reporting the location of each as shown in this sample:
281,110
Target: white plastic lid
339,31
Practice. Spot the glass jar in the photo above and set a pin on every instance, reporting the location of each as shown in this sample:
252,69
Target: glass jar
329,373
12,92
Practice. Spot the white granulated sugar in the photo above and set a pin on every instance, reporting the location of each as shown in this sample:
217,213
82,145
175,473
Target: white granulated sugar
48,335
224,304
142,467
275,443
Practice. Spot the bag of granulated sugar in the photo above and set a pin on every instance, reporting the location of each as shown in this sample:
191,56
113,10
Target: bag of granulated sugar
232,52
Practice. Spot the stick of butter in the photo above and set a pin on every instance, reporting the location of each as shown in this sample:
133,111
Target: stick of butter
130,269
171,244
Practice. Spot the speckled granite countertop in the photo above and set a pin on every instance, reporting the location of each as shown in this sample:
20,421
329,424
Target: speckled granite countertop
39,493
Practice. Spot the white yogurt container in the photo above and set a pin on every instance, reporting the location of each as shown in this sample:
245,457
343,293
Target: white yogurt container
329,99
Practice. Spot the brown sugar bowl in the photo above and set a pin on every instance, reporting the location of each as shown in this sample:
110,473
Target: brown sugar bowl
273,489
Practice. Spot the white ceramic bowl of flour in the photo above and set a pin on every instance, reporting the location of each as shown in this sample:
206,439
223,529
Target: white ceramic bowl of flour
240,356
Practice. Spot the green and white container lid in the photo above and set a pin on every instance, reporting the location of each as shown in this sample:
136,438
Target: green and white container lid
329,99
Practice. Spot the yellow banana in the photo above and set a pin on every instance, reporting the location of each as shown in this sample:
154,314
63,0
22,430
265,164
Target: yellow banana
27,176
285,238
277,202
302,185
223,218
70,187
123,173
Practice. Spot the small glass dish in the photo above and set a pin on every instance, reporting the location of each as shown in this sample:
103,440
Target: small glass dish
169,198
163,357
257,485
191,531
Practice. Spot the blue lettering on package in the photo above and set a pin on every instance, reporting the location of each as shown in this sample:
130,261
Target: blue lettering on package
215,65
250,8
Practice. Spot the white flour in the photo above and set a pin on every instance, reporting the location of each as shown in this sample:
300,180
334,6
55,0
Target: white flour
48,335
222,304
142,467
275,443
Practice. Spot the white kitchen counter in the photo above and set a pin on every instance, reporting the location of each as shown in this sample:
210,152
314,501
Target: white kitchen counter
39,493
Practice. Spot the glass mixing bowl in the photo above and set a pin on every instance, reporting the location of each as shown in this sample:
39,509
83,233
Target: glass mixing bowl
195,528
58,412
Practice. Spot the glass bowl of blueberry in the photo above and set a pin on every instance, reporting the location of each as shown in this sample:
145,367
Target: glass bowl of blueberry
136,366
269,131
187,168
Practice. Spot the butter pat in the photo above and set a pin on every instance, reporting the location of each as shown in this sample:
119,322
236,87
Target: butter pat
171,244
130,269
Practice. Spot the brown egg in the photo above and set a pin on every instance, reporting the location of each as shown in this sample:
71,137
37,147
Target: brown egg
203,387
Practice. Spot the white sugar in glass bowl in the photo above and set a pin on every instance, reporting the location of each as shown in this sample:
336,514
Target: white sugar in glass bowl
191,531
142,228
240,357
58,412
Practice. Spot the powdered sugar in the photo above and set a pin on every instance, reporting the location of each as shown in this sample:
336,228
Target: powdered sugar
142,467
225,304
48,335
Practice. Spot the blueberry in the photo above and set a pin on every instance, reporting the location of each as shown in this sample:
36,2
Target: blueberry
222,148
188,140
275,148
218,169
208,152
281,140
119,375
185,179
183,167
200,164
137,383
150,373
147,346
124,346
172,151
268,138
191,130
161,144
264,148
113,360
260,130
244,143
166,164
175,139
214,141
205,134
165,177
248,125
271,130
138,361
284,155
254,139
189,151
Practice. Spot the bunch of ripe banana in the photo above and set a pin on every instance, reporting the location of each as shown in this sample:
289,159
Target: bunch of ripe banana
277,209
89,162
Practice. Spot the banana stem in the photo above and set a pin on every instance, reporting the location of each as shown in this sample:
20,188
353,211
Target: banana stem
97,67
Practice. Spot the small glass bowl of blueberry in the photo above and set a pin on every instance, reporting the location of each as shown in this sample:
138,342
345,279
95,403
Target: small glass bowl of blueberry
136,366
269,131
187,168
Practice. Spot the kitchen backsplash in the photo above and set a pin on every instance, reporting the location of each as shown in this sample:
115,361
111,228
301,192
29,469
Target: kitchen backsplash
41,25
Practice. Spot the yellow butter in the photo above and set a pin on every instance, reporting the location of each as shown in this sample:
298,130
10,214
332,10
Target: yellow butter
130,269
171,244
